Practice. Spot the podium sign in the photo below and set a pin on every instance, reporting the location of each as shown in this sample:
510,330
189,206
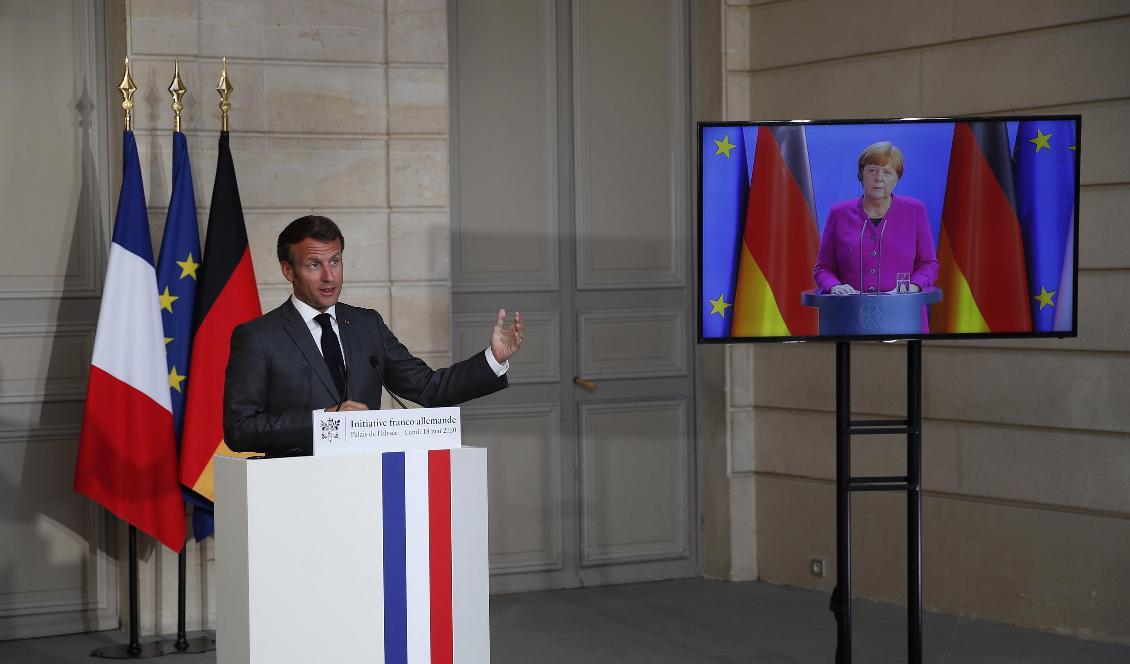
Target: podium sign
375,431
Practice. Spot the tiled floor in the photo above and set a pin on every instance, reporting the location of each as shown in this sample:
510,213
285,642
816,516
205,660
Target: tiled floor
693,620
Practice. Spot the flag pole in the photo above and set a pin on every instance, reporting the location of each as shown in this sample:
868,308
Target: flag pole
183,644
178,90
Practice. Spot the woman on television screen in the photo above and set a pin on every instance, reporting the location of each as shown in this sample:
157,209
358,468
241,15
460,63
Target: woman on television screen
869,241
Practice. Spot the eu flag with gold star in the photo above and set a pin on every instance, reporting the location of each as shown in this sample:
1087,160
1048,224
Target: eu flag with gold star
1044,165
725,187
176,277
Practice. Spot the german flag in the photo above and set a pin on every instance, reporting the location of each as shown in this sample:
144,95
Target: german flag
226,296
981,252
780,240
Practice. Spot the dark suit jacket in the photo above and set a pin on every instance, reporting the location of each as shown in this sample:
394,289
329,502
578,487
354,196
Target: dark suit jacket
276,377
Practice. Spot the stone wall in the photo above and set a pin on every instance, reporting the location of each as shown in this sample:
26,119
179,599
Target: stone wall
340,108
1026,445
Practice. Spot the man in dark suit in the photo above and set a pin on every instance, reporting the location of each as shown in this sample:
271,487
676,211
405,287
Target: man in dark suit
314,352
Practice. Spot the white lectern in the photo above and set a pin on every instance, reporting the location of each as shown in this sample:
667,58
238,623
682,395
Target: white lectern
378,557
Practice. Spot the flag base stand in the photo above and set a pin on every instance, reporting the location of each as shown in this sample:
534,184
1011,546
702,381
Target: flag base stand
200,644
135,649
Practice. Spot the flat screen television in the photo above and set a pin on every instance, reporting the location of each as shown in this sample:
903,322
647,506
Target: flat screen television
888,229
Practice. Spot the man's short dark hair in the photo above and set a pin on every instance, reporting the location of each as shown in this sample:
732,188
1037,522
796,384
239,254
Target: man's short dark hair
314,226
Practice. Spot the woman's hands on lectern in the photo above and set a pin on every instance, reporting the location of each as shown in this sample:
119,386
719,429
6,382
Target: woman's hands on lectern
505,341
842,289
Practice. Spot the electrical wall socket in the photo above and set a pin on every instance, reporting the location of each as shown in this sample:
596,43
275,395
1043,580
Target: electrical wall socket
816,567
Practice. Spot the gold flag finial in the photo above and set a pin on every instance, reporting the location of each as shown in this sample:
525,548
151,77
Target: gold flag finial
127,88
177,90
224,88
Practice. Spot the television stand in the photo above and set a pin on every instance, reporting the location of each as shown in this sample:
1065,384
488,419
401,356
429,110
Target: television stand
911,483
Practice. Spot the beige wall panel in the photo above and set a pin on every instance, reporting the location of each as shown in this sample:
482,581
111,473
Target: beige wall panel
248,100
323,43
984,385
325,99
236,29
42,360
350,178
629,202
742,441
263,230
524,479
418,175
1097,319
423,245
803,376
540,359
835,30
999,557
417,31
1106,139
633,481
796,521
366,237
325,12
506,149
743,542
975,18
365,260
256,170
640,343
164,27
785,94
740,375
1073,469
1104,215
1089,391
803,443
372,297
776,28
422,314
737,39
1080,470
155,154
737,97
152,102
417,100
1029,69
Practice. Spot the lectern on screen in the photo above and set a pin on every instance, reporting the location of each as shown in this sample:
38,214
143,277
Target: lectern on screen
888,229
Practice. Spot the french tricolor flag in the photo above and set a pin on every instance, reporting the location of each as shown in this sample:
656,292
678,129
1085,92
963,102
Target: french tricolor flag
434,601
127,457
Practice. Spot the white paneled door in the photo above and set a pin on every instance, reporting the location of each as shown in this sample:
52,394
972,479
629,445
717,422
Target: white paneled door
570,183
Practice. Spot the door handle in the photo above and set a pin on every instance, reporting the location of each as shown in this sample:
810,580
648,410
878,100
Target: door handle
587,384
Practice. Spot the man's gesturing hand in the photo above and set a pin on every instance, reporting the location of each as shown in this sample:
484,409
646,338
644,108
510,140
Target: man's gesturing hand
505,341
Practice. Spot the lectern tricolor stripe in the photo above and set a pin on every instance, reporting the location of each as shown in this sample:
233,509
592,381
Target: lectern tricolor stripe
416,498
439,526
395,551
416,568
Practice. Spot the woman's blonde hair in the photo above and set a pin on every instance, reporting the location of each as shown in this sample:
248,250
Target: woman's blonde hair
883,153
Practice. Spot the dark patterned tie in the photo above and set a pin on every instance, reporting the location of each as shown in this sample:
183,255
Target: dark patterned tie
331,353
